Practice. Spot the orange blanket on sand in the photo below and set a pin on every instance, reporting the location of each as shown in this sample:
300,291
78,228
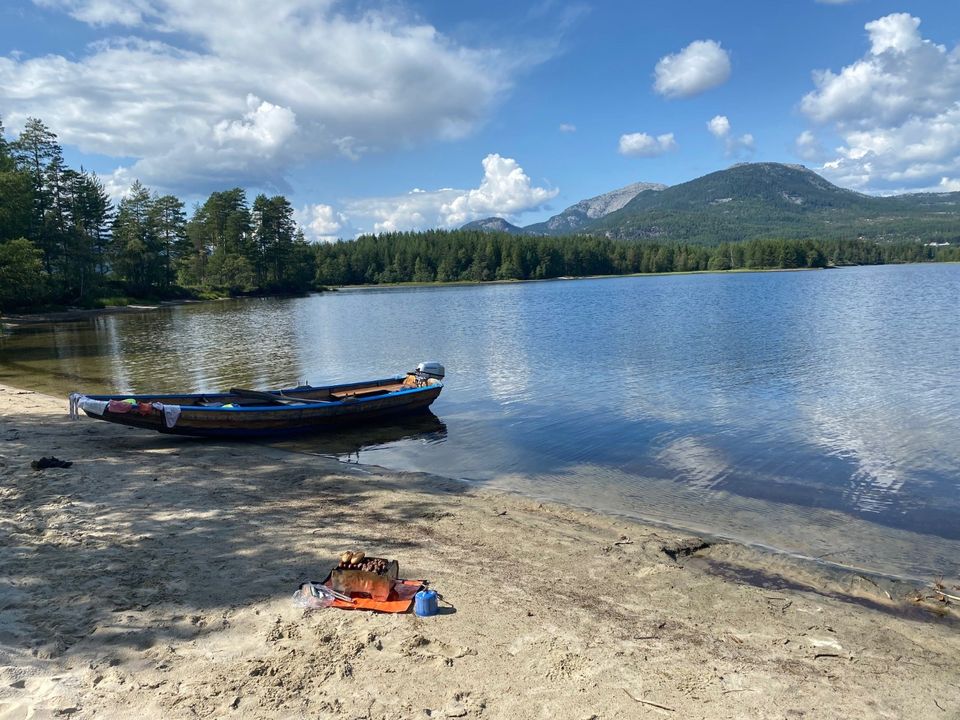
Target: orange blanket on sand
400,600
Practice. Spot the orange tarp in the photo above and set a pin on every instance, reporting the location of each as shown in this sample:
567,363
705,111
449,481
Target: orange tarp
400,600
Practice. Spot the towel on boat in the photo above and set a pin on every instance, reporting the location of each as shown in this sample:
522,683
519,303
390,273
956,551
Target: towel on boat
171,413
82,402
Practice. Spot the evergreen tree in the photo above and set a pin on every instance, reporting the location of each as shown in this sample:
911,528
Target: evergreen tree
16,194
22,280
273,230
36,150
169,223
136,257
92,214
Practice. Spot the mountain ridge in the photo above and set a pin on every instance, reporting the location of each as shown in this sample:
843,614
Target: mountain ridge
755,200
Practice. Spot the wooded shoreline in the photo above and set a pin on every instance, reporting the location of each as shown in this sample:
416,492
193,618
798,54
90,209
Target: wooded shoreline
63,243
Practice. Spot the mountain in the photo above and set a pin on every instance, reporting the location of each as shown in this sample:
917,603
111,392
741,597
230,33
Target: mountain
749,201
495,224
580,214
772,200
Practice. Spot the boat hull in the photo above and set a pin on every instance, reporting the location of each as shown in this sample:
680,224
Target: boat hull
268,420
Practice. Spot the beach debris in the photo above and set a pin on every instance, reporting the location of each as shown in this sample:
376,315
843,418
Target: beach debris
647,702
941,589
50,462
935,598
684,547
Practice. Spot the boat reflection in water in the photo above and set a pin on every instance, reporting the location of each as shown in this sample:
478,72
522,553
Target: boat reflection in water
424,428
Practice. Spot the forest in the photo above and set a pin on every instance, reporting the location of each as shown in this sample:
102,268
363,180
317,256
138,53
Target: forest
63,243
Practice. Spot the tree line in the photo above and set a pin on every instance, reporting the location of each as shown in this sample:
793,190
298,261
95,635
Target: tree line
477,256
63,242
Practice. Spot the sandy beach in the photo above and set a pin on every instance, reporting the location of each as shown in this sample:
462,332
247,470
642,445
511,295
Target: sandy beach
153,578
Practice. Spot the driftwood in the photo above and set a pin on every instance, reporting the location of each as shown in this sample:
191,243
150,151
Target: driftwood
647,702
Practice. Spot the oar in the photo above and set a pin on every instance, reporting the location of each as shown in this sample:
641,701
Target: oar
279,399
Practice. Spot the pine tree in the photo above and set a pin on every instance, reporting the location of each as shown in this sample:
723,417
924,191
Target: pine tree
16,195
35,151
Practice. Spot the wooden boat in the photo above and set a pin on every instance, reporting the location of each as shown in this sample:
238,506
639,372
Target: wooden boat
255,413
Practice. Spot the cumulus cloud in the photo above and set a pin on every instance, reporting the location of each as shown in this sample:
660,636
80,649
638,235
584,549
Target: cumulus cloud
264,128
896,109
320,223
567,128
719,127
206,93
949,184
643,145
505,190
702,65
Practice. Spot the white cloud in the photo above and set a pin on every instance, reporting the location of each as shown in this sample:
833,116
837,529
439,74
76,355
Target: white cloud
719,127
896,110
808,147
567,128
265,127
949,184
320,223
898,32
102,12
643,145
240,92
702,65
505,190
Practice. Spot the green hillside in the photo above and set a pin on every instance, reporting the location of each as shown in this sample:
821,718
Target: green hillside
763,200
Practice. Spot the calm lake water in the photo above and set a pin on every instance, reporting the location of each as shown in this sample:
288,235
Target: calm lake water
814,412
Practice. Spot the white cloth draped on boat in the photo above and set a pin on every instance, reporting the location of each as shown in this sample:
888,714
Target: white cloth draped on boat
171,413
80,402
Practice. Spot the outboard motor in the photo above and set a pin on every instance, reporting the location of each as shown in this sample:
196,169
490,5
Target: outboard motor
430,370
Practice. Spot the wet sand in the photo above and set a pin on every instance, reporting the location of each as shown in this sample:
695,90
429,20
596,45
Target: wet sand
154,578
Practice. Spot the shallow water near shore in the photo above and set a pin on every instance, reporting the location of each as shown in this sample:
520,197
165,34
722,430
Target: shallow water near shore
815,412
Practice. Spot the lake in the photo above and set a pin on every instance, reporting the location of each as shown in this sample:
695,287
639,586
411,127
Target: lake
817,413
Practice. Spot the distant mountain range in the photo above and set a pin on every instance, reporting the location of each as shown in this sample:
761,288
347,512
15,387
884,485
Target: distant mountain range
747,201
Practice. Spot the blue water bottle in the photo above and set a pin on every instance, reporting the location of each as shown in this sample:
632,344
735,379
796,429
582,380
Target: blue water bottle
425,603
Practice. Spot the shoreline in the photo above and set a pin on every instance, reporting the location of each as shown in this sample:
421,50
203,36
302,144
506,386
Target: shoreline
155,576
18,319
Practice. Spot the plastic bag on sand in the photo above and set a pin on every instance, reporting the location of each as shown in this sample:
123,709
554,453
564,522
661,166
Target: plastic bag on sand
311,595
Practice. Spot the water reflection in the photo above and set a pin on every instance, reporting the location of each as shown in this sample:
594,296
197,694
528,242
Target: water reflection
361,443
791,395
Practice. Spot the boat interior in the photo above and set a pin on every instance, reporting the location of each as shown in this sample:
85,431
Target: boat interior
242,397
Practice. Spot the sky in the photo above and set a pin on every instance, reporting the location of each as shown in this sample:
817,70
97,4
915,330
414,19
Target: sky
400,115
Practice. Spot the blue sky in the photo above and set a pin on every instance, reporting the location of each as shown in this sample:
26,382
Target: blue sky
400,115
